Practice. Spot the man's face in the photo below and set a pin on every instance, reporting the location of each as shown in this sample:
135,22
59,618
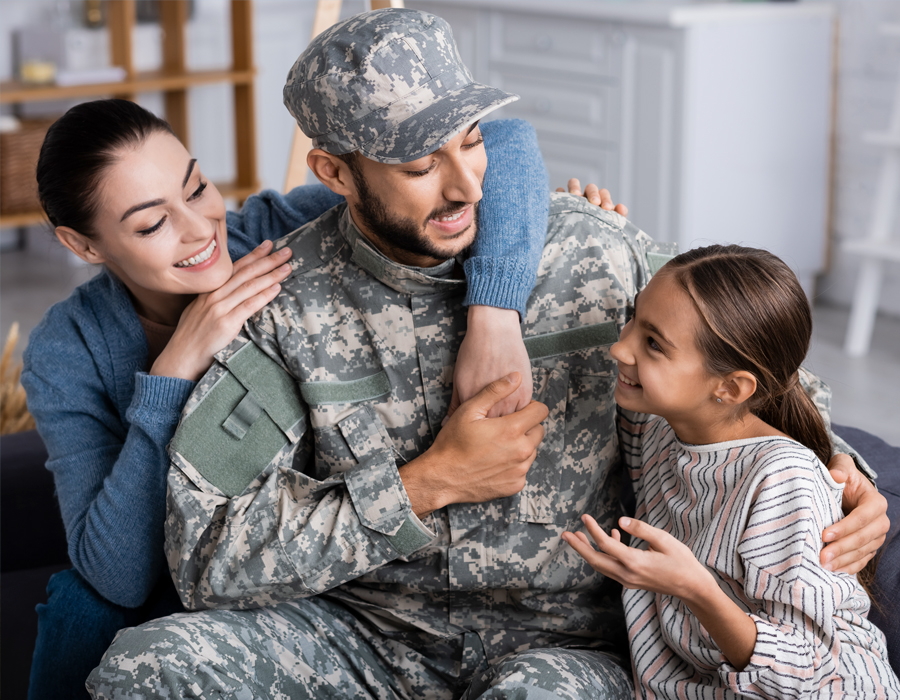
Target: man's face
422,212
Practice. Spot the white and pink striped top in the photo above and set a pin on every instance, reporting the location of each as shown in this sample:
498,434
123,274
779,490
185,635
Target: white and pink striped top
753,512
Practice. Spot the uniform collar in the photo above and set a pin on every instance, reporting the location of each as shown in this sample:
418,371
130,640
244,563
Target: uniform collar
401,278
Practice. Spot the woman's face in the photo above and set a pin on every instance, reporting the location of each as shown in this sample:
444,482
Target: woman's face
160,225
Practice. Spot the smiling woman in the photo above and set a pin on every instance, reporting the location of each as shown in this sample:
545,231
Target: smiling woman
107,372
166,244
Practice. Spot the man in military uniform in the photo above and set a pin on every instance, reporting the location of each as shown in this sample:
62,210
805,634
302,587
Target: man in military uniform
361,549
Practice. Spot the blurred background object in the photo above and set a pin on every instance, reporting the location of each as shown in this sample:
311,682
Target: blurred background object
654,37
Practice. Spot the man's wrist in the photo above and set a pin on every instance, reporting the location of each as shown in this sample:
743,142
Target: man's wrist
424,496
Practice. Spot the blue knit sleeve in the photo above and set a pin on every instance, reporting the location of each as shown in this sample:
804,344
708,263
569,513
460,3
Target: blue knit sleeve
109,470
512,223
268,216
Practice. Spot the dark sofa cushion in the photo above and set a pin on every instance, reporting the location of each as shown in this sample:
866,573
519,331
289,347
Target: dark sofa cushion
32,534
885,460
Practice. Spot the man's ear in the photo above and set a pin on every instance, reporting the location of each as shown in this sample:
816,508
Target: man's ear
333,172
79,244
735,388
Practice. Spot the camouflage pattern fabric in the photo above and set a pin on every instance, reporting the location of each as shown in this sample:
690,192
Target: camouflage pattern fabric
389,84
316,649
328,515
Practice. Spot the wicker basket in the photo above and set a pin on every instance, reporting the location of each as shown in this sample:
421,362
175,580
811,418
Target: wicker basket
19,152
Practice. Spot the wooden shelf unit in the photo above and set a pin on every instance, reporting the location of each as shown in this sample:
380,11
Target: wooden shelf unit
173,80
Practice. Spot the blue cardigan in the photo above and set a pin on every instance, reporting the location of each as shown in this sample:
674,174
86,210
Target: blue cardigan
106,422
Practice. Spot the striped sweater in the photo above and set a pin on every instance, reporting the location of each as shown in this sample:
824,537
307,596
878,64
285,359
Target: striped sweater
752,511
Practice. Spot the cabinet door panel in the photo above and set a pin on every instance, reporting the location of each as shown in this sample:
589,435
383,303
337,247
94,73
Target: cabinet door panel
563,44
581,112
590,164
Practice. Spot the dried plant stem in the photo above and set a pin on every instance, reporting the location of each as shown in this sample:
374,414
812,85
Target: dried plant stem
14,415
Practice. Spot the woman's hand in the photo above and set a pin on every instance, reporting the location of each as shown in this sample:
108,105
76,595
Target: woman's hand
856,538
492,349
668,567
602,198
214,319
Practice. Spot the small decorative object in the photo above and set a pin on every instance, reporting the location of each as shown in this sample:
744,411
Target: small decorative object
14,415
93,13
38,52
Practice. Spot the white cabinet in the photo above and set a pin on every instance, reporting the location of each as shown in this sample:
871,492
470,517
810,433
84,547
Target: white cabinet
711,121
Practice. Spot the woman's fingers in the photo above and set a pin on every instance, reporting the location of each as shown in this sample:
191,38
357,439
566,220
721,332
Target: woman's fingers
249,306
255,264
247,294
248,283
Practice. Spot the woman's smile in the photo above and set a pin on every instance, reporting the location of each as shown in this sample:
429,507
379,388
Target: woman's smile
210,255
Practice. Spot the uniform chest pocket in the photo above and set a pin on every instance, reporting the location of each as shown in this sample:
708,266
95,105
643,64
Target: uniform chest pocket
346,426
564,359
538,501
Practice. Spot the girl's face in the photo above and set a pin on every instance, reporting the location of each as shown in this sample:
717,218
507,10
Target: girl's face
661,370
160,225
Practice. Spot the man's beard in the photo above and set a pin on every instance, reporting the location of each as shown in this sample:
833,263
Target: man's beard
400,233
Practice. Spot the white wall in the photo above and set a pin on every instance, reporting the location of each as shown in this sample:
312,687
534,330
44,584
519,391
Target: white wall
868,72
869,67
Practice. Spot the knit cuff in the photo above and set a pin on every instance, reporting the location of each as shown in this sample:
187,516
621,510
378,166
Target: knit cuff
505,283
158,399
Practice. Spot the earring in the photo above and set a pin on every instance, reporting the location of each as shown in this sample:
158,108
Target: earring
718,400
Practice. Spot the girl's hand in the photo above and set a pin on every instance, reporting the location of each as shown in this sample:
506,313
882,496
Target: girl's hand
213,320
602,198
668,567
492,349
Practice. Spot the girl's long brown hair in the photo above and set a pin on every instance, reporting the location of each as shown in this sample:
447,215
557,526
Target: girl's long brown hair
756,318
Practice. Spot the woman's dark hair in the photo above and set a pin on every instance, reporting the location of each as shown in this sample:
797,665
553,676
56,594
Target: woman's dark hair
78,148
756,318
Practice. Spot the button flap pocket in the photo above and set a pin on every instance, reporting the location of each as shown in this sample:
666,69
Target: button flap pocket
374,487
538,502
366,435
274,390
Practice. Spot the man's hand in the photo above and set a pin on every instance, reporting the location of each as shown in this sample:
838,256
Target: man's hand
855,539
492,349
475,458
602,198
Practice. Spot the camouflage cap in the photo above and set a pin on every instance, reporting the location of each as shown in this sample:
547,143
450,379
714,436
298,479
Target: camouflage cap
388,83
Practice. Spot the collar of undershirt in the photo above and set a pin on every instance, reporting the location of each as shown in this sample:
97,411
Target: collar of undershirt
402,278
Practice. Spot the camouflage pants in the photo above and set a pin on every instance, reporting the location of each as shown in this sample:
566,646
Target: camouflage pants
315,648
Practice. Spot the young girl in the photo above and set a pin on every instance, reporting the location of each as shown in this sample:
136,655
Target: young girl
724,594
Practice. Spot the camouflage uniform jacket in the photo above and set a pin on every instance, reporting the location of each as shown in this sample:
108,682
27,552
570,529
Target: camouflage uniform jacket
286,485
